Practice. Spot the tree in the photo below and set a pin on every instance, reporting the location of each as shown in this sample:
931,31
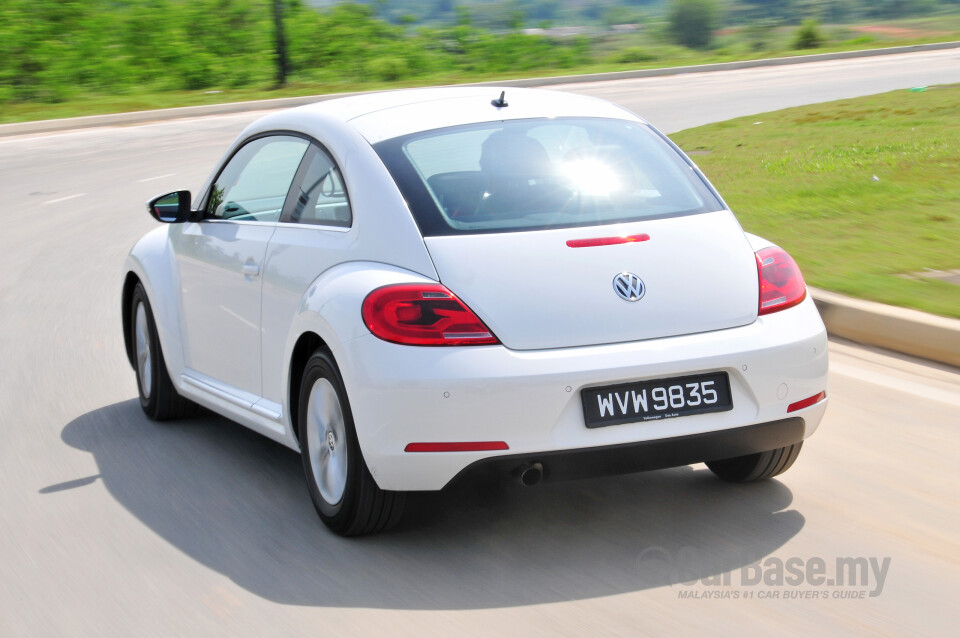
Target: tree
281,42
692,22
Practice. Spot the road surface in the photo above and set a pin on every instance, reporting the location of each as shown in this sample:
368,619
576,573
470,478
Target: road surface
115,526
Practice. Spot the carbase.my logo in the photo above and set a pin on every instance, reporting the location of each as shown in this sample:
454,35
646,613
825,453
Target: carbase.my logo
688,567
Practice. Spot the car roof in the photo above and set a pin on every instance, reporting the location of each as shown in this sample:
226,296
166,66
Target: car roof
385,115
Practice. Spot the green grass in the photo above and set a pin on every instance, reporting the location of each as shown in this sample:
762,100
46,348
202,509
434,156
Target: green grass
860,192
654,55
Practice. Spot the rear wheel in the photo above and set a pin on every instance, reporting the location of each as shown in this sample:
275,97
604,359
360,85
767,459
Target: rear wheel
158,398
755,467
341,487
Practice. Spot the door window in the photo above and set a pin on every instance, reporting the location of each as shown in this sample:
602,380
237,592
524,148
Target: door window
254,183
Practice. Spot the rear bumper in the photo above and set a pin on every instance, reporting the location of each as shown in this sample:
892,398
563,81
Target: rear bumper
531,400
641,456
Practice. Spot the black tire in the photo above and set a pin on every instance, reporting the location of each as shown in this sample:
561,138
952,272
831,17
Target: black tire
158,398
362,507
756,467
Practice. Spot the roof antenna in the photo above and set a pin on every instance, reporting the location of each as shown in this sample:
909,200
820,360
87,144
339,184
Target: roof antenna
500,102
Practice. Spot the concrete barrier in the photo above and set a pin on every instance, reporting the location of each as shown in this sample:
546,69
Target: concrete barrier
900,329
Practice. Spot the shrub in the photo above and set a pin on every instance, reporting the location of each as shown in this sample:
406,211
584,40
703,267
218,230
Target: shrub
387,69
808,36
633,55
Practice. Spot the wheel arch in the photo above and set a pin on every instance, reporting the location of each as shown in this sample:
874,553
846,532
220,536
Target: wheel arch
307,343
152,265
126,298
328,317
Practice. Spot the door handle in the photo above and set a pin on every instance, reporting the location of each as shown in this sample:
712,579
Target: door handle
250,269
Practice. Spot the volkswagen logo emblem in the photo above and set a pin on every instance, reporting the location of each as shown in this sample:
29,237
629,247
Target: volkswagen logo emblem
629,287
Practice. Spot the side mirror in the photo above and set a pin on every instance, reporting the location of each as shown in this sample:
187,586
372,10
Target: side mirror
171,208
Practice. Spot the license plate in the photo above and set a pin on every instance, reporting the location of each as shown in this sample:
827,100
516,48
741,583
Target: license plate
657,399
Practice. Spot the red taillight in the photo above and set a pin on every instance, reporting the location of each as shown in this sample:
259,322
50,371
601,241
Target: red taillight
781,284
423,315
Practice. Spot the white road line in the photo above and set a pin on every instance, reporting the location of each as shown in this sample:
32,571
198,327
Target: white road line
239,318
150,179
63,199
896,383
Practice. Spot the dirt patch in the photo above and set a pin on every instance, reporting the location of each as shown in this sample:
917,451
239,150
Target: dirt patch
949,276
897,32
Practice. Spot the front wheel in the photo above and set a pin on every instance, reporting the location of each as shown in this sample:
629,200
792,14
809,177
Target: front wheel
341,487
158,397
755,467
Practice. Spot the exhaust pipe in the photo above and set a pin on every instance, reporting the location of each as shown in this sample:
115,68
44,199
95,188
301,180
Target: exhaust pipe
529,474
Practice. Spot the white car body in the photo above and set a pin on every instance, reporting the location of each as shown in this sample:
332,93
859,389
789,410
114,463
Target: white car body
232,300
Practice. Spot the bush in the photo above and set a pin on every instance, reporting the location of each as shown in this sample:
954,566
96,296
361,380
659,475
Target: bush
387,69
692,22
633,55
808,36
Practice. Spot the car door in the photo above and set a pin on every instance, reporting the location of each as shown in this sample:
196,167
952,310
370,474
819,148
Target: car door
315,234
220,260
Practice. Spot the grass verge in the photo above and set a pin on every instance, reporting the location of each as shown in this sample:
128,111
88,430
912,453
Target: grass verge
861,192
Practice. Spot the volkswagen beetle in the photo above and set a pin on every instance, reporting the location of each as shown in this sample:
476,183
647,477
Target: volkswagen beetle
415,286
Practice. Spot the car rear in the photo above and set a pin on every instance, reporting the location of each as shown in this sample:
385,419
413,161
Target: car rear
598,310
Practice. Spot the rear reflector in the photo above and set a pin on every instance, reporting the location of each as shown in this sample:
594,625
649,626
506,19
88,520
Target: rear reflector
607,241
806,403
472,446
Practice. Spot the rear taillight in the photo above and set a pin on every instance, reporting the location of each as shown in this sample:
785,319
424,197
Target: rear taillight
781,284
423,315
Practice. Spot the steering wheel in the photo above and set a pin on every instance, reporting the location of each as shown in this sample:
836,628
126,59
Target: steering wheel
230,210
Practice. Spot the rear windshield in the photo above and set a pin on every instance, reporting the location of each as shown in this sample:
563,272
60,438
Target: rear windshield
543,173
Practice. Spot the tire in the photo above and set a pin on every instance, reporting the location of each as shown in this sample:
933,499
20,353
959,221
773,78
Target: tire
158,397
756,467
341,487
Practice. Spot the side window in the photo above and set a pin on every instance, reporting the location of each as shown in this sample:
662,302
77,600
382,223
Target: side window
254,183
321,197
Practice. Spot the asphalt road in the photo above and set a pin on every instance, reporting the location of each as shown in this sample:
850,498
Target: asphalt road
111,525
678,102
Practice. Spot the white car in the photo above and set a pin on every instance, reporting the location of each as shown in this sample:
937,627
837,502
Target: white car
414,286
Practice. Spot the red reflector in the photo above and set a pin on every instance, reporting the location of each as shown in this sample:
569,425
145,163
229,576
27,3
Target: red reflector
806,403
607,241
469,446
423,315
781,284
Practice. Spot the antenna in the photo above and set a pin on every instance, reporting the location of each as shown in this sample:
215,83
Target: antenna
500,102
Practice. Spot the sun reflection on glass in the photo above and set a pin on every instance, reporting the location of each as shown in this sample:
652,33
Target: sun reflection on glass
590,177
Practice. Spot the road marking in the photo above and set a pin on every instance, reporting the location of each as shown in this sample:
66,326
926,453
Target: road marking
239,318
150,179
63,199
896,383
